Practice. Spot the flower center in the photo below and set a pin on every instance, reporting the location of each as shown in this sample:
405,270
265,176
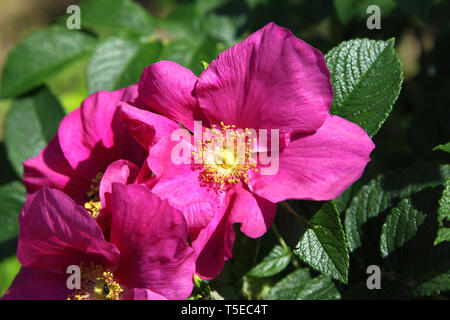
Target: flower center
97,283
93,204
225,156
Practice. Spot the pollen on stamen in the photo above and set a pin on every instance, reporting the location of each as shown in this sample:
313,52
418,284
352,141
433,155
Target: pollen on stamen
225,157
93,204
97,283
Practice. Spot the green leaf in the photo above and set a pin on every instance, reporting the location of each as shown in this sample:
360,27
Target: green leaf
30,124
276,261
12,198
367,78
324,246
407,245
443,147
300,286
444,215
41,55
112,17
191,53
381,194
8,269
117,63
401,225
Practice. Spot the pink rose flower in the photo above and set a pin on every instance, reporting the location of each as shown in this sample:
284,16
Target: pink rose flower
271,80
88,141
147,256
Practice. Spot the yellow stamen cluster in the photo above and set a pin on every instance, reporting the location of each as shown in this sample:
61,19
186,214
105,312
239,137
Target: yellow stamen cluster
225,156
97,283
93,205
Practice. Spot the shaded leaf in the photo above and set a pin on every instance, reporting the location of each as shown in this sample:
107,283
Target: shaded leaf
40,56
324,246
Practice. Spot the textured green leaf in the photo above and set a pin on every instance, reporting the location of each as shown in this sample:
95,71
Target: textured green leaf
300,286
12,198
401,225
444,215
30,124
435,285
366,77
117,63
443,147
407,245
324,246
41,55
275,262
111,17
381,194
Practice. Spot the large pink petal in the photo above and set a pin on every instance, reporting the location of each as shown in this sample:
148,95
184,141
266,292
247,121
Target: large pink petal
54,233
318,166
152,239
167,88
255,214
146,127
271,80
93,136
38,284
180,184
50,168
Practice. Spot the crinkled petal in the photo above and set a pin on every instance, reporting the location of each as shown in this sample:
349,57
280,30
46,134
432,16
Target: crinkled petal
50,168
147,128
213,245
152,239
37,284
318,166
271,80
121,171
92,136
54,233
167,88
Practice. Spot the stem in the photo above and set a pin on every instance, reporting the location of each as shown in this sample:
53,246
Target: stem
280,238
303,221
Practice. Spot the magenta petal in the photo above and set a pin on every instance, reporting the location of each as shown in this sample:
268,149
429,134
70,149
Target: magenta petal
271,80
121,171
50,168
166,88
255,214
152,239
54,233
37,284
180,184
142,294
146,127
213,245
318,166
93,136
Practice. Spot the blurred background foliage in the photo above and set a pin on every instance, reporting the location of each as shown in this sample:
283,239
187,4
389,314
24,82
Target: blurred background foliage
122,42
